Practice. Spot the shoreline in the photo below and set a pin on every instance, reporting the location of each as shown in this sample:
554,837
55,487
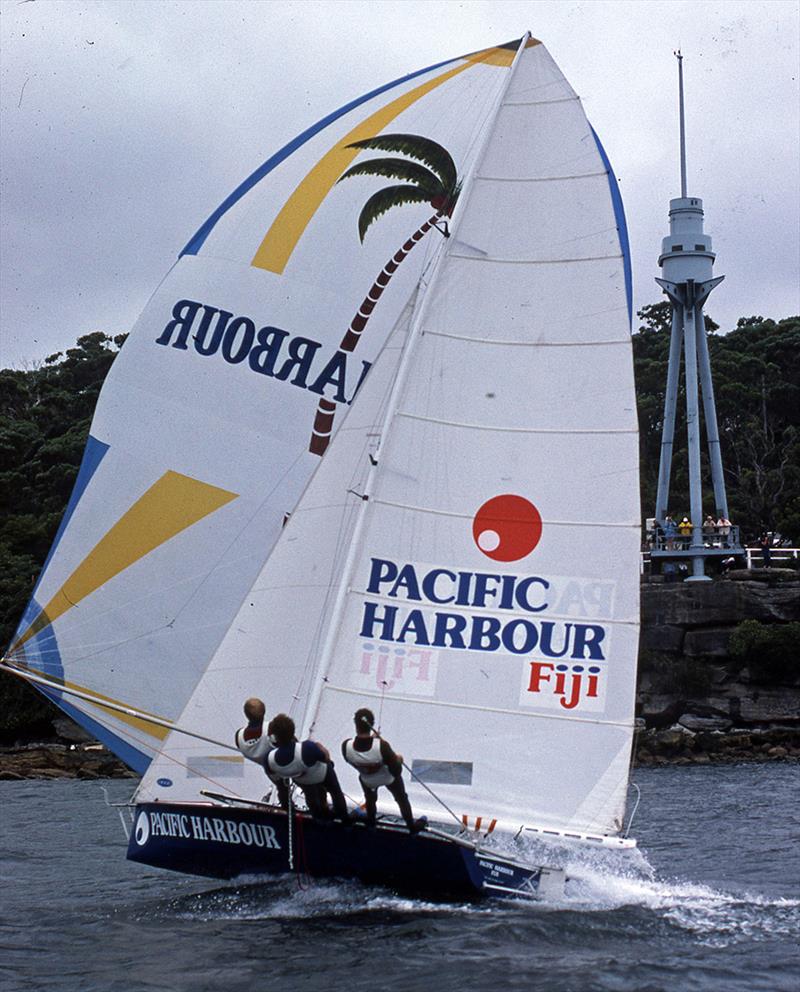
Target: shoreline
671,746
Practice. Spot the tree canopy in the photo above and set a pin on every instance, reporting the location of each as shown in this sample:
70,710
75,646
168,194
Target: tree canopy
45,413
756,373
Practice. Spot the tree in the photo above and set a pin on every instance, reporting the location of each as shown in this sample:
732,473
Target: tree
45,414
756,372
431,177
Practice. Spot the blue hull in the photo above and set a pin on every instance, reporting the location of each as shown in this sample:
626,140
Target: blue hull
227,841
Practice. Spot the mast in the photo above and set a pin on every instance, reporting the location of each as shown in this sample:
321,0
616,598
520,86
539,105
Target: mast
687,262
679,57
414,332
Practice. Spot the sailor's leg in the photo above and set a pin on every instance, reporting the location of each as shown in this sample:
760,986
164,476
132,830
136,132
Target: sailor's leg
316,801
371,804
398,790
331,783
282,788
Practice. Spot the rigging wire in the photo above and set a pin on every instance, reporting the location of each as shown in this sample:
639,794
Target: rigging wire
425,786
635,807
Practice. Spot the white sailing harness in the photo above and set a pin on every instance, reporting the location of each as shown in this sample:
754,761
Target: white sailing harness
256,749
370,765
297,769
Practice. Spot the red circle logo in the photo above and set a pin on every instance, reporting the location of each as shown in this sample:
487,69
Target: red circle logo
507,528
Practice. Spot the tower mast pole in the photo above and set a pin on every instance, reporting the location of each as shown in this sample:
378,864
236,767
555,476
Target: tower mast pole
679,57
687,267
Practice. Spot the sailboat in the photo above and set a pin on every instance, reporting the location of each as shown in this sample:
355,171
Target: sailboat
373,442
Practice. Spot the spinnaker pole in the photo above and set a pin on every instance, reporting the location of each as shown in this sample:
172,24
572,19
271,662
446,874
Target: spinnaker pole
158,721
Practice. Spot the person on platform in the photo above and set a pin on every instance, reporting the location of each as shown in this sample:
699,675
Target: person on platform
724,529
308,764
255,745
670,531
377,765
709,531
685,528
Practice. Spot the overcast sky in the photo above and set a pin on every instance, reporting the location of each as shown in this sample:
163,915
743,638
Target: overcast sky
124,124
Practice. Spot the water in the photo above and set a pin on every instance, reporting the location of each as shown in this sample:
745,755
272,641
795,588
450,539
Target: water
713,902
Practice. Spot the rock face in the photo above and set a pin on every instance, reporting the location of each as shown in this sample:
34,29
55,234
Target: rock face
719,605
680,746
60,761
687,677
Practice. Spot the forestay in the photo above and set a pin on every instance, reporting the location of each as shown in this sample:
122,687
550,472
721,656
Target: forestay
213,418
490,611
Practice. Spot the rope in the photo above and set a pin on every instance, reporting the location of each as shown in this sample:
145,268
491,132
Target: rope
302,876
380,707
290,821
635,807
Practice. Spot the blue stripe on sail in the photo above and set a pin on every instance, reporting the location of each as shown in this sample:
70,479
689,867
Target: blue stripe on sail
42,654
132,757
93,454
41,651
622,227
196,243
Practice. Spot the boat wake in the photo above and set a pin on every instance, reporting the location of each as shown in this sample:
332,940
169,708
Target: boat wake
713,917
599,883
317,899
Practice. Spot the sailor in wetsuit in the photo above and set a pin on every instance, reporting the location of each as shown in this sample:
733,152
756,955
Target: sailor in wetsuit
307,764
377,765
256,745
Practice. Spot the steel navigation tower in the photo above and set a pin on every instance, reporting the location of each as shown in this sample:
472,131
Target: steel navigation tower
687,262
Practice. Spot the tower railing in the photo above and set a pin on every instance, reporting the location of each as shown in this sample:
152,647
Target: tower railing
724,540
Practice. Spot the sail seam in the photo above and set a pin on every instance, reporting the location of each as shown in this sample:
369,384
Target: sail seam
535,261
527,344
450,704
540,179
468,516
484,611
539,103
514,430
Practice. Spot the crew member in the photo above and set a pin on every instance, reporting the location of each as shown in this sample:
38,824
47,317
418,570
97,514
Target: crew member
307,764
256,745
377,765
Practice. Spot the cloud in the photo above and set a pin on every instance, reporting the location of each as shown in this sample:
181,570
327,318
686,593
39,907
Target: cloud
124,125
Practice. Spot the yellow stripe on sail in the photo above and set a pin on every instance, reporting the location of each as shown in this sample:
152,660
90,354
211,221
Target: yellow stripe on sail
169,506
140,721
295,215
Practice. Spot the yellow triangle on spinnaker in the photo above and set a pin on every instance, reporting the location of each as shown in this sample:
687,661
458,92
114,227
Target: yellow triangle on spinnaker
169,506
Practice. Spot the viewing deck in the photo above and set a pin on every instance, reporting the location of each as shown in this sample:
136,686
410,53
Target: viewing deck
719,542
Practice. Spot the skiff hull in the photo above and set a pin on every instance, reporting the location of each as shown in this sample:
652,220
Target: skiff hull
225,842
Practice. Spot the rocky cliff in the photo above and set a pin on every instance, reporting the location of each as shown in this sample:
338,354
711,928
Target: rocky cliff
703,668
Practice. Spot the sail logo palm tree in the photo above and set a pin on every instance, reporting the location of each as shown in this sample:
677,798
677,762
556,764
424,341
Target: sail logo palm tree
427,174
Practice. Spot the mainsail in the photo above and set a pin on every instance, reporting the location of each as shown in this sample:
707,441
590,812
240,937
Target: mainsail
491,611
482,597
201,442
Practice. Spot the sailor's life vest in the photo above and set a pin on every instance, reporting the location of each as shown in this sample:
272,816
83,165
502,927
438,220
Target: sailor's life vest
369,764
297,769
254,748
